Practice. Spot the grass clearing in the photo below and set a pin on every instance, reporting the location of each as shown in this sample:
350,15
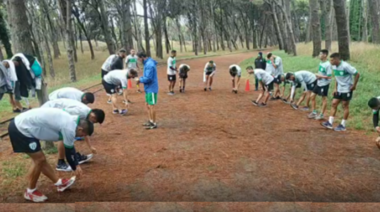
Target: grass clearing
364,57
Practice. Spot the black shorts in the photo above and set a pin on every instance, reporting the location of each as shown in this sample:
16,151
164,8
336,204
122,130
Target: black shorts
21,143
208,73
343,96
321,90
110,89
172,78
310,87
269,87
183,76
104,73
277,79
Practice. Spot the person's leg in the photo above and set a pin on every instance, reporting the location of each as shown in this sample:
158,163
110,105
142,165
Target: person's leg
206,83
313,102
12,101
256,84
153,113
334,107
267,95
114,101
324,105
180,83
233,83
301,99
308,94
260,96
346,108
211,79
40,165
173,85
61,151
149,114
183,84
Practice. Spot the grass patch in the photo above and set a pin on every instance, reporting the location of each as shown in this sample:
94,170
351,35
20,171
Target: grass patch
51,151
364,59
12,170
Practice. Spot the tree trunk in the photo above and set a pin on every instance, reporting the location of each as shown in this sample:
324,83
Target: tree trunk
47,47
4,36
147,40
65,6
73,41
80,39
316,27
1,54
341,22
113,35
106,32
83,28
365,8
277,27
329,24
167,41
374,8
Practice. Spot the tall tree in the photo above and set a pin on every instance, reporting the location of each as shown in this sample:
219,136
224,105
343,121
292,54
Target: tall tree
341,21
146,28
329,23
65,8
105,27
316,27
374,11
4,36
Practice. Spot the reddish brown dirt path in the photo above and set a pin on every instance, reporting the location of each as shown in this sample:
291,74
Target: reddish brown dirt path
216,146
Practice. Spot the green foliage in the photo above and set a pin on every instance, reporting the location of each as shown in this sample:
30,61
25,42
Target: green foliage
12,170
356,22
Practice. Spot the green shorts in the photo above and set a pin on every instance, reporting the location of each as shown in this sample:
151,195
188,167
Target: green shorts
151,98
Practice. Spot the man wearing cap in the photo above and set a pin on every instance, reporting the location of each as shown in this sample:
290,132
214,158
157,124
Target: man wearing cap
209,73
260,63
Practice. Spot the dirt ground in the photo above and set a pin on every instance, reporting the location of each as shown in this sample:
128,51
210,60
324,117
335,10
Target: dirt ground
216,146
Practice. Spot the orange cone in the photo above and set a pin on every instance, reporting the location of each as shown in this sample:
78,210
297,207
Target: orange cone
129,84
247,88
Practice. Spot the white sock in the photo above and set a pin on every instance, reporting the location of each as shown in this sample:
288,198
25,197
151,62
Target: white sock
151,121
343,123
31,190
331,119
59,182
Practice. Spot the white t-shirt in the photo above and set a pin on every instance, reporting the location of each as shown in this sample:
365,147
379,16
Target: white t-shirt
172,64
210,68
67,93
238,69
73,107
117,77
48,124
131,61
107,64
280,69
263,76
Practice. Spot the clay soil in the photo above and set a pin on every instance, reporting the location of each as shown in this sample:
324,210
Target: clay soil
216,146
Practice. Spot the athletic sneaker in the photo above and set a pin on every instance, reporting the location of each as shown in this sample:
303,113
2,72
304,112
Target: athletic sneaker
278,98
83,158
209,89
235,92
312,115
123,112
115,111
17,111
340,128
263,105
139,91
63,167
147,124
151,127
66,183
205,89
255,103
109,102
319,117
285,101
180,90
79,138
327,125
305,108
36,196
295,107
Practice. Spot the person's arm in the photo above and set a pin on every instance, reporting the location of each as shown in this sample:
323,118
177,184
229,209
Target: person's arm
88,142
138,67
264,64
375,120
213,73
68,141
124,84
238,83
304,86
292,92
275,65
148,76
357,77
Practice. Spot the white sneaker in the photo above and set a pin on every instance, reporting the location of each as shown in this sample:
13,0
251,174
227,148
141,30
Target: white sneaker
66,183
36,196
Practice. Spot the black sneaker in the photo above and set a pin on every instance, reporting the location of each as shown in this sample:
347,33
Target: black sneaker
83,158
278,98
255,103
63,167
17,111
285,101
151,127
205,89
115,111
148,124
263,105
180,90
295,107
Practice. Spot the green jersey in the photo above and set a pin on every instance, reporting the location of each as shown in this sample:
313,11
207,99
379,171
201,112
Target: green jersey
343,75
324,70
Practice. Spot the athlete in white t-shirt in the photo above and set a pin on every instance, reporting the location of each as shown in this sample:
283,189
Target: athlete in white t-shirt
132,63
47,124
183,74
172,71
208,75
235,72
266,80
74,94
